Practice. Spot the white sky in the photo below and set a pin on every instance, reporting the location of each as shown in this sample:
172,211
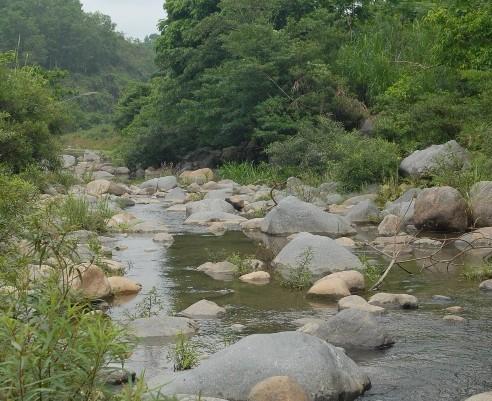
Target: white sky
135,18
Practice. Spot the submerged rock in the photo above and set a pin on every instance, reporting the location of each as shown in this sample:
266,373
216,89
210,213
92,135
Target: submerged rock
357,302
293,216
321,256
219,271
351,328
404,301
203,310
204,218
324,371
162,326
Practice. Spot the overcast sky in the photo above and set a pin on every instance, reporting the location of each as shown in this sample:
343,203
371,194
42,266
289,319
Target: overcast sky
135,18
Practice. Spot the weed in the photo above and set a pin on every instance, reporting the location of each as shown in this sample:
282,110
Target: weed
150,305
478,273
196,196
300,276
243,263
184,354
80,214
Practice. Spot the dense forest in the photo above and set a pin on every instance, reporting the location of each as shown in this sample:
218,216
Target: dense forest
296,80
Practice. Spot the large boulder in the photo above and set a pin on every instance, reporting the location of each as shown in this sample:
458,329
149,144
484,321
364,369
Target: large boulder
278,388
363,212
423,162
102,187
89,281
481,203
322,254
321,369
440,209
160,184
200,176
293,215
162,326
351,328
209,205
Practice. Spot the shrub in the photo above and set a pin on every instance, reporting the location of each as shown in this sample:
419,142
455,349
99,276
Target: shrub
247,173
243,263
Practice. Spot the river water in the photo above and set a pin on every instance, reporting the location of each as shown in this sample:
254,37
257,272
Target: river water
431,360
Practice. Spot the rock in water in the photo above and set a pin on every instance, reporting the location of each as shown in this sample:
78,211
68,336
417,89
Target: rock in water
404,301
323,254
422,162
481,397
162,326
209,205
322,370
203,310
441,209
351,328
293,216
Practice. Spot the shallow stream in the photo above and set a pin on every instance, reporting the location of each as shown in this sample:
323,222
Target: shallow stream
431,360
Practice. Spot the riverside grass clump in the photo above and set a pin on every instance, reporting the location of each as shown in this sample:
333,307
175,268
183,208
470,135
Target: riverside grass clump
80,214
184,354
300,277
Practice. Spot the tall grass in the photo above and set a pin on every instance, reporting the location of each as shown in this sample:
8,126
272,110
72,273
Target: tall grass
80,214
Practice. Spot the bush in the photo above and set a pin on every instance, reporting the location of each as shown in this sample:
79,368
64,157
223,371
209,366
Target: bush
300,276
247,173
331,152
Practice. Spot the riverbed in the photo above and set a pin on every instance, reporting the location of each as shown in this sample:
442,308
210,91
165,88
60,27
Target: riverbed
431,360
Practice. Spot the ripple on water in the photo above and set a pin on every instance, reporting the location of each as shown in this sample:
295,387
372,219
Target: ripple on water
432,359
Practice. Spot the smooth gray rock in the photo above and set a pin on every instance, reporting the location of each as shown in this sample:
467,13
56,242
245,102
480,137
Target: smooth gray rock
162,326
481,203
203,310
486,285
175,195
293,216
326,256
363,212
440,209
160,184
68,161
422,162
324,371
219,271
351,328
209,205
219,194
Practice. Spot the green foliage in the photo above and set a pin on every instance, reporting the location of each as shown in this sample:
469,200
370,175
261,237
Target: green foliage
79,214
478,273
372,271
17,200
184,354
350,158
29,119
300,276
248,173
